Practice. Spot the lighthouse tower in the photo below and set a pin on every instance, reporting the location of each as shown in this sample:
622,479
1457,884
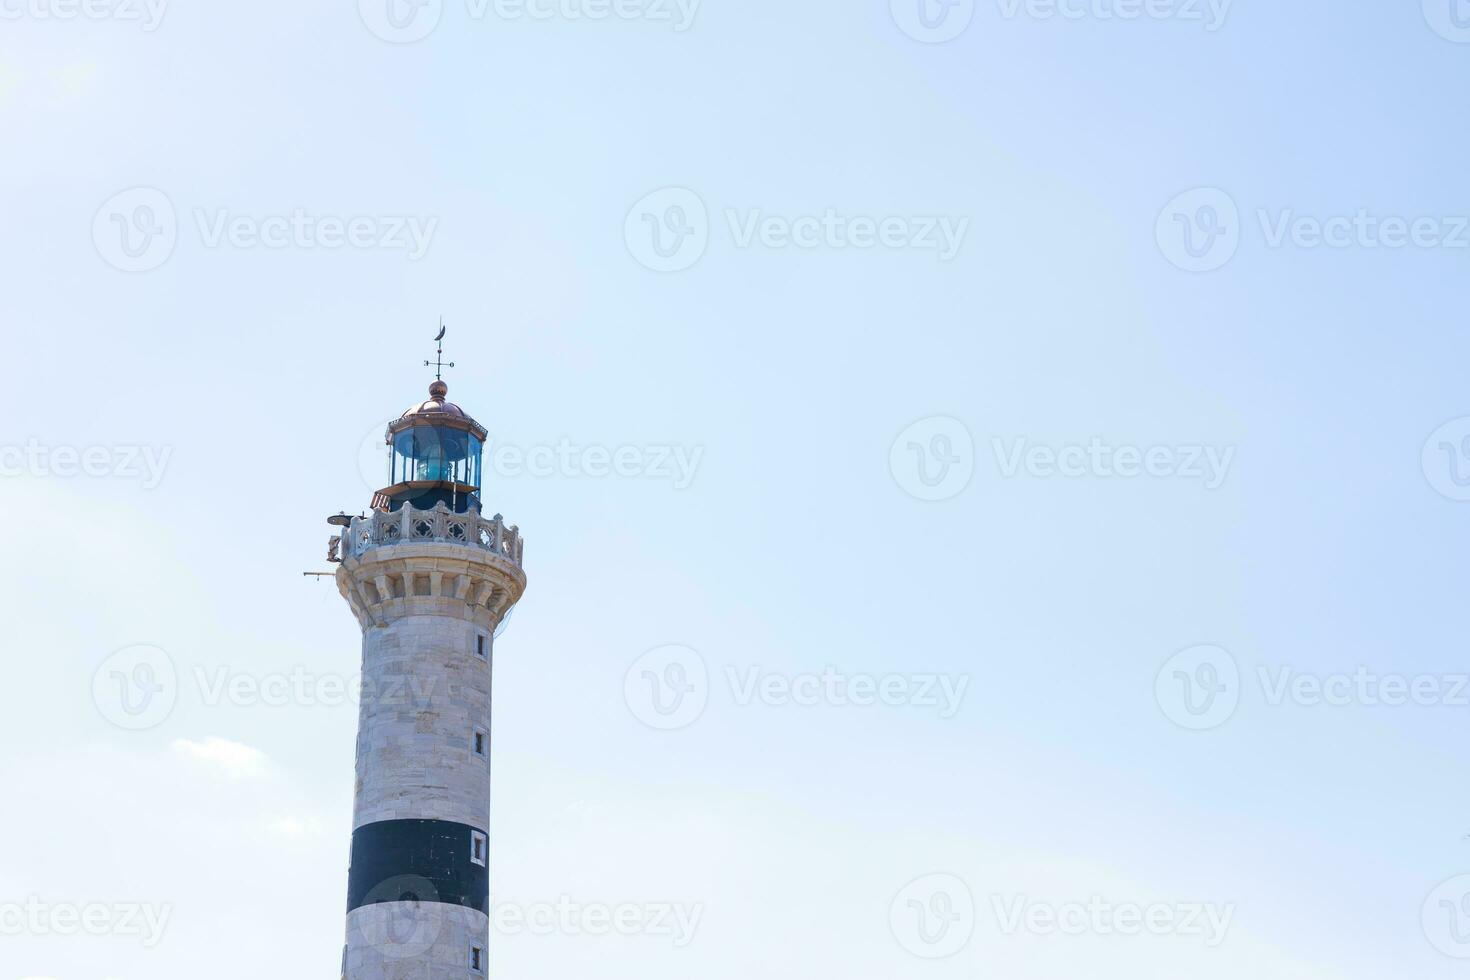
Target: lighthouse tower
429,578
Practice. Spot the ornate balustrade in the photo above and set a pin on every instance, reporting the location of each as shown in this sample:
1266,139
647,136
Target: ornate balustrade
438,525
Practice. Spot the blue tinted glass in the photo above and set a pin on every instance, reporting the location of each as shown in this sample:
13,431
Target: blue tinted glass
427,452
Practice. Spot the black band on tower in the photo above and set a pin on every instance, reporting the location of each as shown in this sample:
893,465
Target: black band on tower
419,860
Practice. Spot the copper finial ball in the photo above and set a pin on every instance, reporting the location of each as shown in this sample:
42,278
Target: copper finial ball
438,391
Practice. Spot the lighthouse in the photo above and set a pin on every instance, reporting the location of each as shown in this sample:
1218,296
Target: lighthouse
429,578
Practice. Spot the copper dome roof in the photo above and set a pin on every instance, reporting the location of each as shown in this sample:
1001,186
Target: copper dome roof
437,404
437,409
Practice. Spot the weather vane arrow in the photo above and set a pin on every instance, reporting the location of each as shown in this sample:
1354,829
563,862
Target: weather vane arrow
438,362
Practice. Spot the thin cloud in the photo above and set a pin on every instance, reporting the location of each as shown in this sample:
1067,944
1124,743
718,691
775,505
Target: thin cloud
234,760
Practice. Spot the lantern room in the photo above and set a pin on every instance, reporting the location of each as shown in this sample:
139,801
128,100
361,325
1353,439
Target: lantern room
435,452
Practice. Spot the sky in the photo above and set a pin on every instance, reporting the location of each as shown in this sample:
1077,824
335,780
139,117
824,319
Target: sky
992,475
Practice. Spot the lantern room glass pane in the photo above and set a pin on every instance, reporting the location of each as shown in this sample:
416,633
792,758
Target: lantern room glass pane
472,469
436,453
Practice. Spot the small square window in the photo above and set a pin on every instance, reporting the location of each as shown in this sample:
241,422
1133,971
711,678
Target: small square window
478,845
477,959
481,741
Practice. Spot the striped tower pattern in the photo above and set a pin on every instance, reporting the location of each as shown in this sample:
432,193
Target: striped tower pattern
428,587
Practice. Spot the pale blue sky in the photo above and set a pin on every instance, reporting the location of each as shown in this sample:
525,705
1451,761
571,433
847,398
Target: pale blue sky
256,374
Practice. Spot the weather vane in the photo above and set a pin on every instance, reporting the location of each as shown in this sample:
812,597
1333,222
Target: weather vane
438,363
